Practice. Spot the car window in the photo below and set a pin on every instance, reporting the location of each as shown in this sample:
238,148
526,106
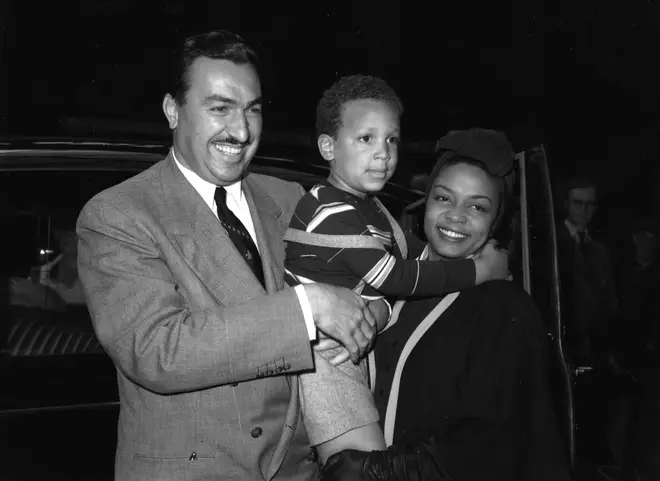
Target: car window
46,307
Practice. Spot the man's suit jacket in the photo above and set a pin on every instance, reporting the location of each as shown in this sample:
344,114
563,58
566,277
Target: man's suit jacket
587,283
204,354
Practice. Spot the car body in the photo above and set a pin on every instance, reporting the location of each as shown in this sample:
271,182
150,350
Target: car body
59,402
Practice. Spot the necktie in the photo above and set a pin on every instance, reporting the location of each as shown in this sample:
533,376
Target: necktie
238,234
582,241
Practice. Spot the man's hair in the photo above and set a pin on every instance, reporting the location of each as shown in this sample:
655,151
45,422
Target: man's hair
217,45
579,182
346,89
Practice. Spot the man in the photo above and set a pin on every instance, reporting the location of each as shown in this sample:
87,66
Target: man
182,268
586,274
589,304
634,432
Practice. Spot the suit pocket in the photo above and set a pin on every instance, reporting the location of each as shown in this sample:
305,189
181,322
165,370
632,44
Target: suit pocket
194,466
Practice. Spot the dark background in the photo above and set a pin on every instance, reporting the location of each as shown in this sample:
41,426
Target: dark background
579,76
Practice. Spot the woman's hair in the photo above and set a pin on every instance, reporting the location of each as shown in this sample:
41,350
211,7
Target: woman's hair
504,183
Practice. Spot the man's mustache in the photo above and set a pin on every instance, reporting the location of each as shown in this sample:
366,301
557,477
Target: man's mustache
231,141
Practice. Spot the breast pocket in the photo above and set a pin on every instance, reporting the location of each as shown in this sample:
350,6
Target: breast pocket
193,466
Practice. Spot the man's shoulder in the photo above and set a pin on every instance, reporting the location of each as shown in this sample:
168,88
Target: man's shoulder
599,244
139,186
276,187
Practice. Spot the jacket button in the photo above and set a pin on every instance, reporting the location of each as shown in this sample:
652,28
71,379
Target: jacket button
256,432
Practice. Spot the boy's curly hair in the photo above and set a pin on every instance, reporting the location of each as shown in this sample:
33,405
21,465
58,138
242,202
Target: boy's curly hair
353,87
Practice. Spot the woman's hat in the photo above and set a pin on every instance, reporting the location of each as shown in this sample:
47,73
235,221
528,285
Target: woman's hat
488,146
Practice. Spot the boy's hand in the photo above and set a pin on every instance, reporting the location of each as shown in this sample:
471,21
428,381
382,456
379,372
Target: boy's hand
381,311
491,263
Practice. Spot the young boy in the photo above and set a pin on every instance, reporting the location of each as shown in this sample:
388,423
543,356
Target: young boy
342,235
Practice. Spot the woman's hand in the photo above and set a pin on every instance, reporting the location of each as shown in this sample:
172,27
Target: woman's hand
491,263
413,462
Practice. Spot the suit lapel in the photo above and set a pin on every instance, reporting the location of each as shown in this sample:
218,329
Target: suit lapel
207,249
269,230
204,243
266,219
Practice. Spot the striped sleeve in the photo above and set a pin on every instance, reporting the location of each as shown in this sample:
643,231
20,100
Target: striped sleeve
384,272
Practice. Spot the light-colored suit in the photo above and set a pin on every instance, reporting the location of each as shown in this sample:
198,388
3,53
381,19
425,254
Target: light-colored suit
204,354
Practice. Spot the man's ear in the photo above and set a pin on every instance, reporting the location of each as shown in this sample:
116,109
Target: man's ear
171,111
326,145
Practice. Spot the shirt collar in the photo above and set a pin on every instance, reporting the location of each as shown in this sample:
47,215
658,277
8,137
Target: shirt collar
573,230
205,188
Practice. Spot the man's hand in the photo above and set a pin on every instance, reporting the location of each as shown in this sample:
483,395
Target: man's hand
491,263
381,311
344,316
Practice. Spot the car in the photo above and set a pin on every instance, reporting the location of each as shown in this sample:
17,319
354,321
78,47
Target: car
59,402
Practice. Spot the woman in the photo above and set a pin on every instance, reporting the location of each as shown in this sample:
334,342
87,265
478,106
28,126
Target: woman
463,393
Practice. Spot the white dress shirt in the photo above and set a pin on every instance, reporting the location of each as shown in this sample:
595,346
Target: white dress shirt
573,231
237,203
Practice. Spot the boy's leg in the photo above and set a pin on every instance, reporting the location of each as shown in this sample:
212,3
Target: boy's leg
338,408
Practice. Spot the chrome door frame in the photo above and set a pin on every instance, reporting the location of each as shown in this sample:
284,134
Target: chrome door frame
538,154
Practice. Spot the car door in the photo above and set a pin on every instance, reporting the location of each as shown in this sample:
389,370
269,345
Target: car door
58,402
540,275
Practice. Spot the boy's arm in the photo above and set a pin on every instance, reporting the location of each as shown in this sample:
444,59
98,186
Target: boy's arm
407,277
415,245
376,267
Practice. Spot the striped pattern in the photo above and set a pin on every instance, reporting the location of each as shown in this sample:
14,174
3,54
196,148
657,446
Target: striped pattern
338,219
384,236
379,273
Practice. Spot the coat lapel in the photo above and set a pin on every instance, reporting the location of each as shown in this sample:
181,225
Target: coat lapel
207,249
266,216
203,242
266,219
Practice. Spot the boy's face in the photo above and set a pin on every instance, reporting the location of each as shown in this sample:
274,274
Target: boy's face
364,154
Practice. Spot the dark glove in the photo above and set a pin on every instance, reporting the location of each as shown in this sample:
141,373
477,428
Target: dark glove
406,463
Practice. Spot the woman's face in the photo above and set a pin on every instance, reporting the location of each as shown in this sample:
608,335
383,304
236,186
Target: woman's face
460,211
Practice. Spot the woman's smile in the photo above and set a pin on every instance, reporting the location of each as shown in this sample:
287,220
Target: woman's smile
452,235
460,210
